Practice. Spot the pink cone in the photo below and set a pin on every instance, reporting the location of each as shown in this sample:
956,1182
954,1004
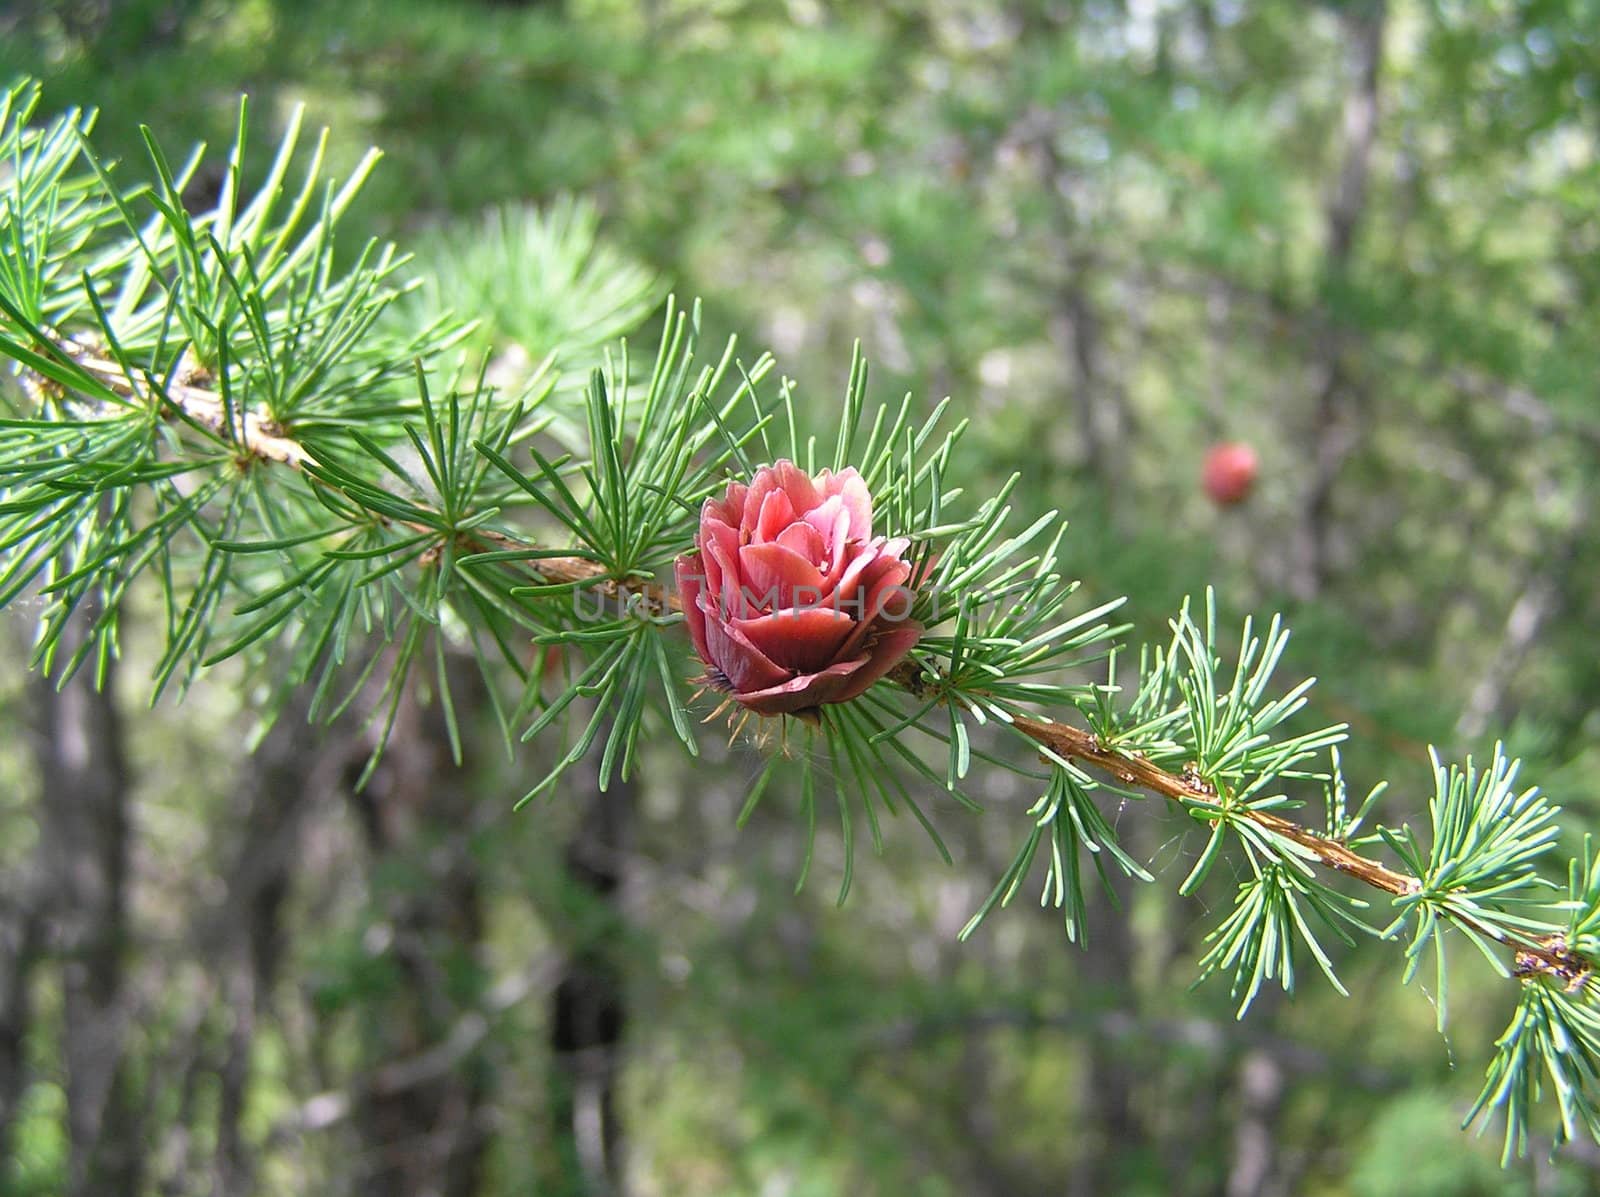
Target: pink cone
791,601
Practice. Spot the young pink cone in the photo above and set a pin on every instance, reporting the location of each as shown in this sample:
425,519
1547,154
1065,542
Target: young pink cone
791,601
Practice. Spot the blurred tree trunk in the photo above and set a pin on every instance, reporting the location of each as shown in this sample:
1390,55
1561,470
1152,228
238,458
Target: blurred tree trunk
1118,1139
17,15
1541,597
1334,429
418,815
589,1007
993,1168
1102,415
19,944
1104,421
1076,325
77,746
294,767
1254,1172
21,897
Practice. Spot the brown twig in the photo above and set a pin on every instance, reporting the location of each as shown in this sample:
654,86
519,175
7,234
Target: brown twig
262,438
1547,955
257,435
1133,769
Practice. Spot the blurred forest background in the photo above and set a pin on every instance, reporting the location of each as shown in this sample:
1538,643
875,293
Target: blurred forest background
1360,236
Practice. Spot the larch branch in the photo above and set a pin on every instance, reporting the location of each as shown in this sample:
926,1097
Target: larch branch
264,440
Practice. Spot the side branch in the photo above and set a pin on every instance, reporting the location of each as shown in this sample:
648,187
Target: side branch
263,439
259,436
1550,956
1075,744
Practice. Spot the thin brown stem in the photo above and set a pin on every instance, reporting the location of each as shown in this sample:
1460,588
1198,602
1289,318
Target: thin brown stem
1133,769
263,439
256,435
1548,955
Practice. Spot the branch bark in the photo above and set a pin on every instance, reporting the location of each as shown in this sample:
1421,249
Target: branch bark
255,434
1132,769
